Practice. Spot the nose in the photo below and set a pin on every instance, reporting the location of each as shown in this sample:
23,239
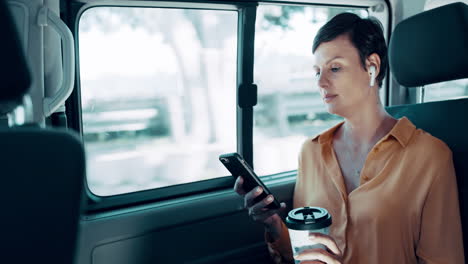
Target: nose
322,81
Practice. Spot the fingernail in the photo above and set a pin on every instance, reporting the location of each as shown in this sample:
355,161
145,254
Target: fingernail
270,198
258,189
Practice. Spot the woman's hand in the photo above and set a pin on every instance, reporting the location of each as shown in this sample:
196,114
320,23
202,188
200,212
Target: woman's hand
331,255
258,211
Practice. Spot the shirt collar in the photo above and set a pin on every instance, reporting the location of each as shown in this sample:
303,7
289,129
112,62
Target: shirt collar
327,136
402,132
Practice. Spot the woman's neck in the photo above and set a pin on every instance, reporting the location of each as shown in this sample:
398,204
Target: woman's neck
367,126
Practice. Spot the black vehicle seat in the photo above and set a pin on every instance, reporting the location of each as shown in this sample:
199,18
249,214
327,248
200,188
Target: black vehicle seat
42,171
433,47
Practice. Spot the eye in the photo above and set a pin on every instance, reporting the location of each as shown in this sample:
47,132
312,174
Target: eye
317,73
335,69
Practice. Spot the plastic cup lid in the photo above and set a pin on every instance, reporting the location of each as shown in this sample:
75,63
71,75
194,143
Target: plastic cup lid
308,218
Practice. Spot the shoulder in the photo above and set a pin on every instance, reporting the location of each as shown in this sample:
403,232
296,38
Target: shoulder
418,143
312,143
313,146
315,142
423,144
308,148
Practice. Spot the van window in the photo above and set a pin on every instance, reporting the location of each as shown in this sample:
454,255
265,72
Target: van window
289,108
158,95
446,90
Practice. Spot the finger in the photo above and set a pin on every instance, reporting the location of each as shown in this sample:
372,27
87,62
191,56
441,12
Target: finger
261,216
265,213
282,208
250,196
325,240
238,188
318,254
262,204
311,262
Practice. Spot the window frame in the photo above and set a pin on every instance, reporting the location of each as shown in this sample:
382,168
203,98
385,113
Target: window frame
247,11
96,203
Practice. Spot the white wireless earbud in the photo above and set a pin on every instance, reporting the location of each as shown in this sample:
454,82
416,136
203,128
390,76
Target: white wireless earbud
372,75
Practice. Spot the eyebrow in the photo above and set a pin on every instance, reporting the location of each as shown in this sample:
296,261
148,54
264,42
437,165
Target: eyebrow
334,58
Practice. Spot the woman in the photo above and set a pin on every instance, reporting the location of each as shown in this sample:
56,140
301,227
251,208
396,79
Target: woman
390,188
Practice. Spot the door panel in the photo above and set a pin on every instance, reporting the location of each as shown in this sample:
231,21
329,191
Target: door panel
209,228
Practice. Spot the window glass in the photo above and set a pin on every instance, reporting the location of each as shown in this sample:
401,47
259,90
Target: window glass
158,94
289,108
446,90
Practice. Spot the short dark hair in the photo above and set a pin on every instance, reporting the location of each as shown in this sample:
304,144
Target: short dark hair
365,34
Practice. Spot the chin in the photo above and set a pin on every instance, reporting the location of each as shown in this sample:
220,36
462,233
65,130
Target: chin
334,110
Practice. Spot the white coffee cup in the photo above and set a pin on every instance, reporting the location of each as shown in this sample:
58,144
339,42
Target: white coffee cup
303,221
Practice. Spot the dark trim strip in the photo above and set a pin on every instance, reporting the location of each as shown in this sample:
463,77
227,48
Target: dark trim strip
245,61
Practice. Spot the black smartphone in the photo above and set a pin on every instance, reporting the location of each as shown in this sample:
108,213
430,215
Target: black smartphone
237,166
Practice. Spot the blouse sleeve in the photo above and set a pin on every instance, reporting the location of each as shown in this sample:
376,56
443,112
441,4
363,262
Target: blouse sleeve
440,238
280,249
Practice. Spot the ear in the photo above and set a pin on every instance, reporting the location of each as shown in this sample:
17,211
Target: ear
373,67
373,60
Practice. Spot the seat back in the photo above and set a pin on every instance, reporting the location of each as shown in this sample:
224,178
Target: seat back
42,177
418,57
445,120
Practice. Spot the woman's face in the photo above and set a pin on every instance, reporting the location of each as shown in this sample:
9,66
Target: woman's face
342,81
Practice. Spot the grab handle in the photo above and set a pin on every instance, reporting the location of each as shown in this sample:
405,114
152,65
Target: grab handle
52,103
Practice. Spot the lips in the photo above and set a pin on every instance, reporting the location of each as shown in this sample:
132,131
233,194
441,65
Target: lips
329,97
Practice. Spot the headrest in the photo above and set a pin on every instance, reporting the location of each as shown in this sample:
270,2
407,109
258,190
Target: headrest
14,73
431,47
